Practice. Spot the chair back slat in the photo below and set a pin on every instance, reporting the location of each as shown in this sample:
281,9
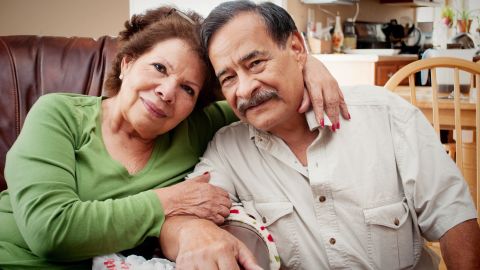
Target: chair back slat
436,120
458,123
413,95
477,139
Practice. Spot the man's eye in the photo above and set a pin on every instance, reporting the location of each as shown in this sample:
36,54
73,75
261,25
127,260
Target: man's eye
256,63
161,68
189,90
227,80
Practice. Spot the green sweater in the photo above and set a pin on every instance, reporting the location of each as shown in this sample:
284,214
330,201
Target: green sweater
68,200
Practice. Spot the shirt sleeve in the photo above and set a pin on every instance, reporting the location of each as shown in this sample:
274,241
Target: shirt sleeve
220,170
432,182
55,223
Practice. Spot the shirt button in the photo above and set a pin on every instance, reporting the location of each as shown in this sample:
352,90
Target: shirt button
332,241
321,198
264,219
396,221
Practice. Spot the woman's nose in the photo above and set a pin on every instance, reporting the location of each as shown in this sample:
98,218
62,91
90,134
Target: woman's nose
166,91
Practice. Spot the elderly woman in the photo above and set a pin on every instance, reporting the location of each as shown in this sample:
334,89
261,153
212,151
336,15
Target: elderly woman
93,175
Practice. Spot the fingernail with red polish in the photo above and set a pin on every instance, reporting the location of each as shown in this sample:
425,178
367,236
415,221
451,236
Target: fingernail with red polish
349,117
333,127
322,123
338,125
205,173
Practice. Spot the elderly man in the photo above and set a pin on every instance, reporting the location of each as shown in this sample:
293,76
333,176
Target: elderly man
365,198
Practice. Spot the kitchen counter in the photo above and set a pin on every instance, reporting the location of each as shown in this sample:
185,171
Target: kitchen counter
372,69
365,57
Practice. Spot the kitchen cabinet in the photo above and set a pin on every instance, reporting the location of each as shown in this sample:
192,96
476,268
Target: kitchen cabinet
414,3
384,70
356,69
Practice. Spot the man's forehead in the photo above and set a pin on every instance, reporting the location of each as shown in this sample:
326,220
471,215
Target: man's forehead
241,38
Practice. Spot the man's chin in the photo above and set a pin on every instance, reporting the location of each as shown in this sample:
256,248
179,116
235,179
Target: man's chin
261,124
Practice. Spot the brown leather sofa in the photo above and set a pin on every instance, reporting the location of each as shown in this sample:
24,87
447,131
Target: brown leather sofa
31,66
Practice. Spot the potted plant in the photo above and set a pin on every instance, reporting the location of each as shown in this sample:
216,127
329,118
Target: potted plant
464,20
448,15
462,17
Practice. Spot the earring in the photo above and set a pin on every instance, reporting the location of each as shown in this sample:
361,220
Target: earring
120,76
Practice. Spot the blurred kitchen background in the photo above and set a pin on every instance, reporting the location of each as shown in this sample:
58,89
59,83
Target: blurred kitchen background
360,41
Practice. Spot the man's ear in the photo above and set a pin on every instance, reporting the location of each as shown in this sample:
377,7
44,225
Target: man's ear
297,45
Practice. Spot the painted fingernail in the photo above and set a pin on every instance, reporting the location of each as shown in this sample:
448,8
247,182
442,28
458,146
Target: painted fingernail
205,173
338,125
322,123
349,117
333,127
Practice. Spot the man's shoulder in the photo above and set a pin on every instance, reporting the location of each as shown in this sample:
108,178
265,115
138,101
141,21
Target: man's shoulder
237,130
365,95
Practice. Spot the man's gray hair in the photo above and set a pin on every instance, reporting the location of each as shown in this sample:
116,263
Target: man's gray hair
278,22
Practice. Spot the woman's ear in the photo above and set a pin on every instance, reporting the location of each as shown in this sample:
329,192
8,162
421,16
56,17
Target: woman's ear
125,64
297,45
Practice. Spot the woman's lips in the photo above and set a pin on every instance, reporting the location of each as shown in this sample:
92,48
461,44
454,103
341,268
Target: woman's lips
154,110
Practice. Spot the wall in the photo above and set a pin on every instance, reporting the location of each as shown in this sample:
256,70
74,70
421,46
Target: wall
88,18
370,10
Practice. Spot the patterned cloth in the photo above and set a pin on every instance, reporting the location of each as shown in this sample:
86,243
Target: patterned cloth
237,213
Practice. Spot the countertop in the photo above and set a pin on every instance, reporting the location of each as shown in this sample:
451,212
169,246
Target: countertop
364,57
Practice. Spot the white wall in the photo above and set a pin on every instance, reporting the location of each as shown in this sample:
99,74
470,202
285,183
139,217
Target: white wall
87,18
202,7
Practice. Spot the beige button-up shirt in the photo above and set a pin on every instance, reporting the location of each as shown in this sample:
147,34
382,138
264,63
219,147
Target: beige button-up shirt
369,193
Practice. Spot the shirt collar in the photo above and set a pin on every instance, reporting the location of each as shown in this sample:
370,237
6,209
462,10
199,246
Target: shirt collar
311,121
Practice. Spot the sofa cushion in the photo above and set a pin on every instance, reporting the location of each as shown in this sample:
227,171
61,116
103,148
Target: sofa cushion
34,65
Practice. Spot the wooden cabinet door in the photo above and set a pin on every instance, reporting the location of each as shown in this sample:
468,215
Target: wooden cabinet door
383,72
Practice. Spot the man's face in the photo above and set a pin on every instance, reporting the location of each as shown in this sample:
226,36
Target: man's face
262,82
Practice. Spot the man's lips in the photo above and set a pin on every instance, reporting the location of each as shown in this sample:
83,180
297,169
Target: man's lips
154,110
252,108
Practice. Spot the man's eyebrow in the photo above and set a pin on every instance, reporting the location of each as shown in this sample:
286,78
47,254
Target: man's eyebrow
244,58
252,54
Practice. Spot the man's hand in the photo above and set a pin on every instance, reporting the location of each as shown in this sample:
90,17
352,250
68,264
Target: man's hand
461,246
200,244
324,93
195,197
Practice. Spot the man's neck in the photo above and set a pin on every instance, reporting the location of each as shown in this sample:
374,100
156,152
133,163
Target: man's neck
297,136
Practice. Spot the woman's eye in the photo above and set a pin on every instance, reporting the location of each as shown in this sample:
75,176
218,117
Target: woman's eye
161,68
189,90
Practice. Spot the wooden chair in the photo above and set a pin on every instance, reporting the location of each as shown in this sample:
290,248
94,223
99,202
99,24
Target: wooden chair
447,113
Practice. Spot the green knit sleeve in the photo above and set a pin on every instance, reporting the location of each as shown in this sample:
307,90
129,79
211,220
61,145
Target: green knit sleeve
55,223
205,123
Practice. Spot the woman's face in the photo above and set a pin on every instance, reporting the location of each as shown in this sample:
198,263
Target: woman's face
159,89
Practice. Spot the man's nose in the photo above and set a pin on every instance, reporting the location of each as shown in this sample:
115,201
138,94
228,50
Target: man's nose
246,86
166,90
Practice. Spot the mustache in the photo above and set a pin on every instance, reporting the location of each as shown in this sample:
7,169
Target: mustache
259,97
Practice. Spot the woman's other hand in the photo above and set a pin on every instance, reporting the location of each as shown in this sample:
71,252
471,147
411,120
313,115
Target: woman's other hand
324,94
203,245
195,197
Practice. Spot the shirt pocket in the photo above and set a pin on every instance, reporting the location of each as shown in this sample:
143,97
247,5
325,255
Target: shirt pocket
278,217
390,236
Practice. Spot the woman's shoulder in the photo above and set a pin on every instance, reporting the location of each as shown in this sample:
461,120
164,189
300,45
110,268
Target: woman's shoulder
67,99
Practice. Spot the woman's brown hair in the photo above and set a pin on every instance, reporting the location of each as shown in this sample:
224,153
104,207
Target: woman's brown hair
143,32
